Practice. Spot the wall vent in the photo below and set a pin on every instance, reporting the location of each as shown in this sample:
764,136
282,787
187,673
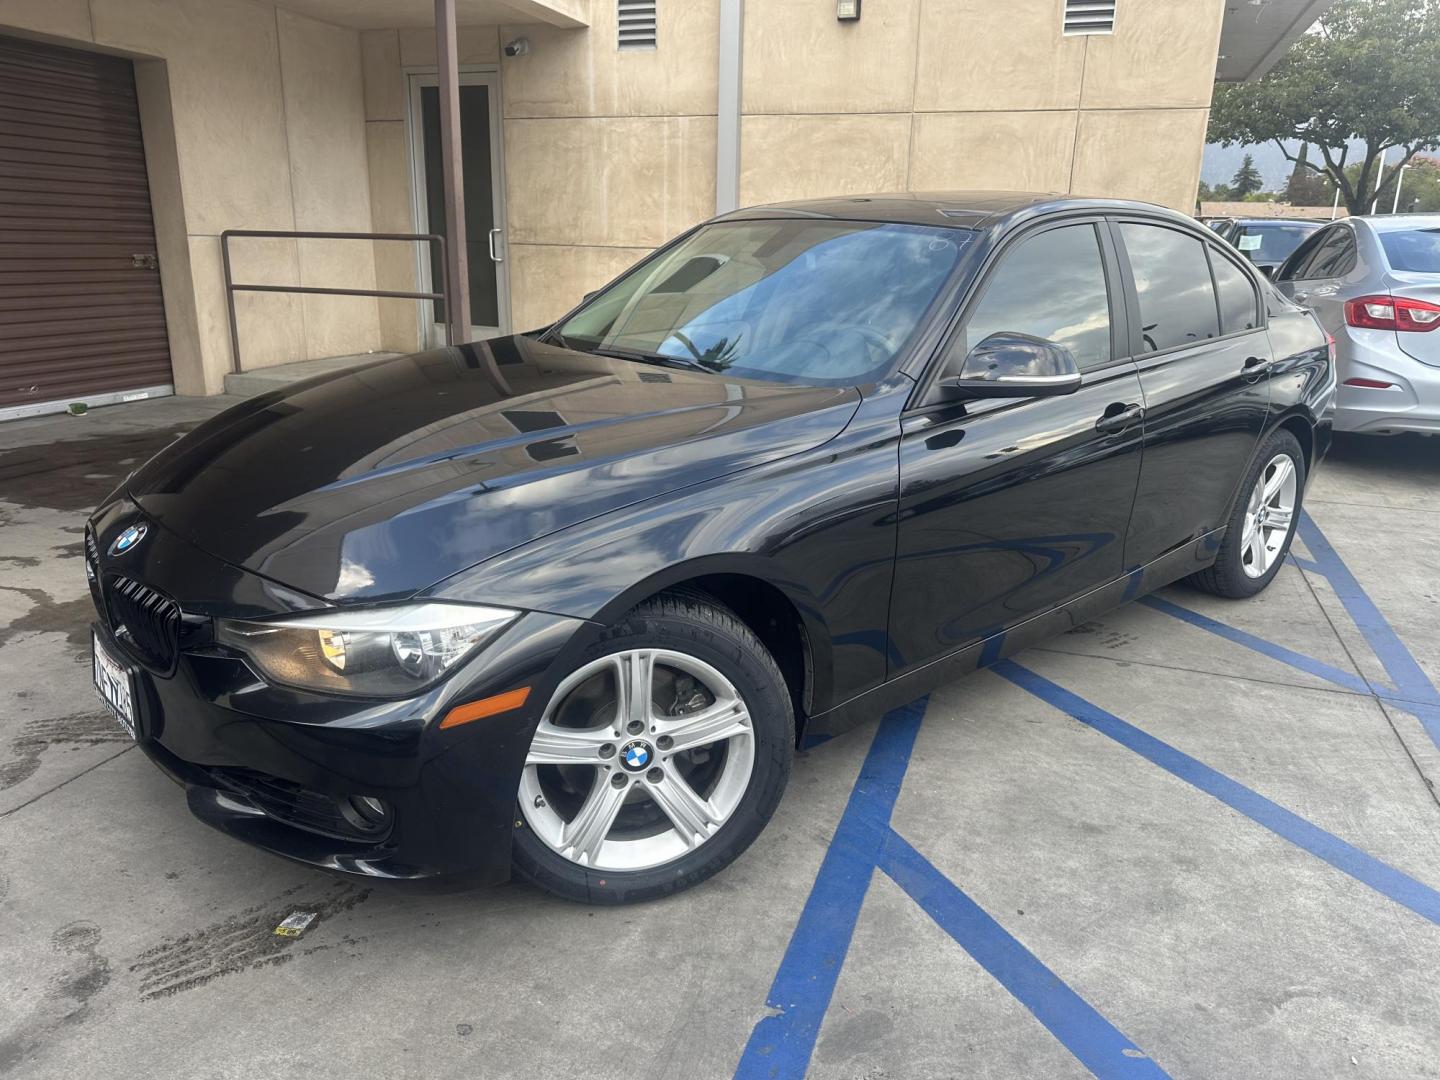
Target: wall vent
637,24
1088,17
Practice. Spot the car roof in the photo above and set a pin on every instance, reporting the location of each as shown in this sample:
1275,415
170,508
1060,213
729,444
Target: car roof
1280,221
1396,222
952,209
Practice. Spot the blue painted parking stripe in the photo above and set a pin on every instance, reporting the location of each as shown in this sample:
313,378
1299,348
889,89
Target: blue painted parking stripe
1318,668
781,1044
1410,680
1347,858
1094,1041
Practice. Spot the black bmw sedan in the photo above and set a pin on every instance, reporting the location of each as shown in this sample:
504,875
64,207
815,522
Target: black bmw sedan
568,601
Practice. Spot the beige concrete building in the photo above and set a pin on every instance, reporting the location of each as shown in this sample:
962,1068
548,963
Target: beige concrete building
593,131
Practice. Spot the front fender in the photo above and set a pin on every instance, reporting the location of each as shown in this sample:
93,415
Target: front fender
818,526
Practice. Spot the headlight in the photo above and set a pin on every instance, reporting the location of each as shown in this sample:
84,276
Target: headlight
376,652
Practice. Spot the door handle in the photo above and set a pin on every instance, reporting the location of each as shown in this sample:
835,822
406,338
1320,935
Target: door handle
1118,417
1256,366
494,257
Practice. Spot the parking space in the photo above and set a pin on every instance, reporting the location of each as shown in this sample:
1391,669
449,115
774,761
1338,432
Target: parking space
1192,839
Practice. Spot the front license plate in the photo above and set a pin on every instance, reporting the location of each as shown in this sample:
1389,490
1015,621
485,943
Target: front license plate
114,685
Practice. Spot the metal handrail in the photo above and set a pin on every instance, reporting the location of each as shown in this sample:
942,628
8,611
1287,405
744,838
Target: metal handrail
276,234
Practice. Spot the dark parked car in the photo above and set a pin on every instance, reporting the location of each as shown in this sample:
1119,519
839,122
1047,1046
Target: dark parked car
1268,242
571,598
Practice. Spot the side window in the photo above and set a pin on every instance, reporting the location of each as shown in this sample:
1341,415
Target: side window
1336,257
1297,267
1049,286
1238,310
1172,278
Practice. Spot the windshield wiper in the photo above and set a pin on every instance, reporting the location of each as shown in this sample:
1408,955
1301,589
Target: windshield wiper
654,358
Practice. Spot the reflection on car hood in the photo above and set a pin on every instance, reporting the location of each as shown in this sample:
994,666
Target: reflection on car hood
382,480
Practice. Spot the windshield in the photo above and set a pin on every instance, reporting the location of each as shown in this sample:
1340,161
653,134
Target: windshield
830,302
1271,243
1413,250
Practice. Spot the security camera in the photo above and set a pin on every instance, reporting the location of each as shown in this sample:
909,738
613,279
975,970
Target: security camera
517,47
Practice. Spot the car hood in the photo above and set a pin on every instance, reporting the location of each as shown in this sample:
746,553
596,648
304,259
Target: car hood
380,481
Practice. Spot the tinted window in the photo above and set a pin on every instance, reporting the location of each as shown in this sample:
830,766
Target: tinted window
814,301
1336,256
1414,250
1270,243
1172,277
1237,296
1300,259
1049,286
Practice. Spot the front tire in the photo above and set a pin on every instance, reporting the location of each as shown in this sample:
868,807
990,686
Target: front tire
658,760
1262,524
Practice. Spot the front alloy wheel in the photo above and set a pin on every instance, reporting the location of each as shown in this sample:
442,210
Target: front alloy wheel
658,759
641,757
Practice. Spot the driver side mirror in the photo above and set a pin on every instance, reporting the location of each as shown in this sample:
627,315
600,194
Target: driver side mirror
1016,365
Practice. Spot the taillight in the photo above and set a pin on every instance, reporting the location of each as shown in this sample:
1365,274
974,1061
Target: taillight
1392,313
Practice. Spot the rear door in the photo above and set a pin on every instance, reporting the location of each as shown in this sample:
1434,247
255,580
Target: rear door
1318,274
1010,507
1203,356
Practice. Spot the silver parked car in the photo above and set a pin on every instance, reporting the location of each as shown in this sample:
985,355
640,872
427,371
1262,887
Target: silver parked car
1374,283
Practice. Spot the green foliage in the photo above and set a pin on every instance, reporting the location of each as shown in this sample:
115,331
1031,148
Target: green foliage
1246,180
1306,187
1419,190
1371,73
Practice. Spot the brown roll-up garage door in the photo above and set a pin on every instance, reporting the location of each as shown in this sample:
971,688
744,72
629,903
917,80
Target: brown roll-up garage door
81,315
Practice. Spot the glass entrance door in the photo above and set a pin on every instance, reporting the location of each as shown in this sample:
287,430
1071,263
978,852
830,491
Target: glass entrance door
484,199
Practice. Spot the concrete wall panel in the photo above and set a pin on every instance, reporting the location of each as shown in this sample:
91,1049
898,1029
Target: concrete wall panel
980,54
1141,154
325,124
582,73
1017,151
800,59
1161,55
802,157
611,182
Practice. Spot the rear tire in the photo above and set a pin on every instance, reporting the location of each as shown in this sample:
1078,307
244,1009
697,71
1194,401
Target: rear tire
1262,523
677,790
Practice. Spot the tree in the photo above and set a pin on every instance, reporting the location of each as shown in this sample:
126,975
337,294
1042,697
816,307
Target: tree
1369,72
1246,180
1306,187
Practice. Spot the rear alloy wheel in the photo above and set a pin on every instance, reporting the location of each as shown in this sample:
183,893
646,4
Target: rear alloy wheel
1262,523
657,760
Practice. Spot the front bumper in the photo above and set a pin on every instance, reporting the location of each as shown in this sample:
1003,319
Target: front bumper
277,767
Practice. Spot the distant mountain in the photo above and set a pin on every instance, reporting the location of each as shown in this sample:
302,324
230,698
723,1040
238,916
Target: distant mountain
1221,162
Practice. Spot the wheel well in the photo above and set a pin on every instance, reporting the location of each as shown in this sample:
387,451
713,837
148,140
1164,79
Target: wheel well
773,619
1304,434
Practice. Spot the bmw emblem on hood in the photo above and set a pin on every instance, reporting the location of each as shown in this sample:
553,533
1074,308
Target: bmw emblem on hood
128,539
636,755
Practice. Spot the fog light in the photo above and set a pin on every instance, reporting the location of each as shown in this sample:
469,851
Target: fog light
366,812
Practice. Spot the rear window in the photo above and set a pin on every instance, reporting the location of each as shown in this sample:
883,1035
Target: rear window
1414,250
1270,243
1172,278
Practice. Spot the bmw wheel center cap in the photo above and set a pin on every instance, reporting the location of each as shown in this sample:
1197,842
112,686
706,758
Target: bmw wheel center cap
128,539
636,755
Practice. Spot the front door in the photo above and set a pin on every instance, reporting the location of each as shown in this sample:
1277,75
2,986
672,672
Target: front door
1009,508
484,200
